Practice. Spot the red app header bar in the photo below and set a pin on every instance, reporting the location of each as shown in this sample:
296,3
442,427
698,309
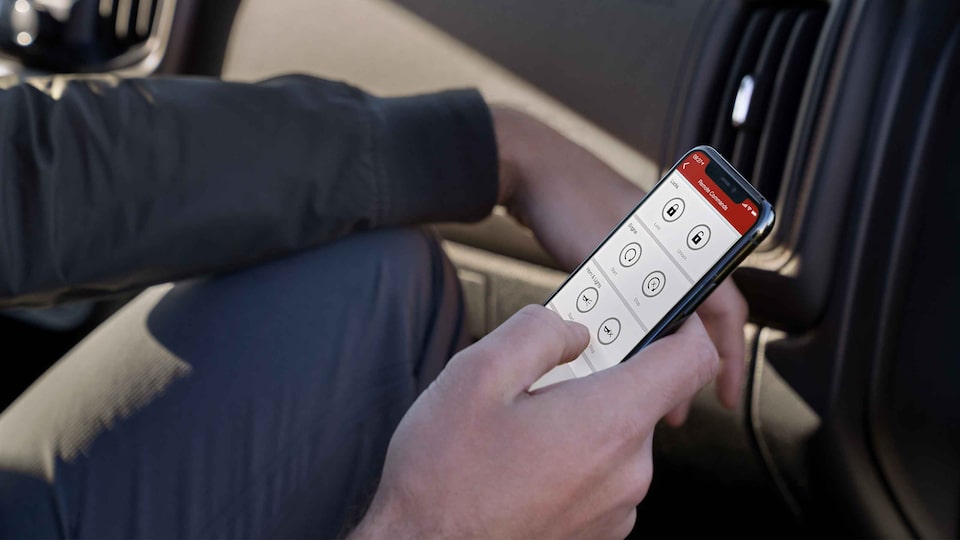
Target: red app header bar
741,216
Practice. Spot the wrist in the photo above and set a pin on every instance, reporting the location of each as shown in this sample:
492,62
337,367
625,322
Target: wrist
512,129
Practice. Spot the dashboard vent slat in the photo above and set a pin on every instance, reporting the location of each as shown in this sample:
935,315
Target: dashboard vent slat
774,53
747,53
763,73
125,24
145,10
785,102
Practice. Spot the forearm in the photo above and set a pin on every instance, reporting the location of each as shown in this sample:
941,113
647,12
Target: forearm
112,184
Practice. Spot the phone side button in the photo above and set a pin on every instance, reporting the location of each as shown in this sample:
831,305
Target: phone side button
696,301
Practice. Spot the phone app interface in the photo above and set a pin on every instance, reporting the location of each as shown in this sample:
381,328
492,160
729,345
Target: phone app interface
684,226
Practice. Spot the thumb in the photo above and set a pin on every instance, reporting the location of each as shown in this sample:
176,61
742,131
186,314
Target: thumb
530,343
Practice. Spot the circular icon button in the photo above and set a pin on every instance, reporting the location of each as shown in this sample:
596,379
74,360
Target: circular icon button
609,331
673,209
630,254
698,237
587,299
653,283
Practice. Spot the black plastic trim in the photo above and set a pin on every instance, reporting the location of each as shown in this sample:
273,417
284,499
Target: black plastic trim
788,283
921,174
842,366
198,39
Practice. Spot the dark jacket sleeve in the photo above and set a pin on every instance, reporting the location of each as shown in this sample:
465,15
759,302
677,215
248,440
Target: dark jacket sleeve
109,184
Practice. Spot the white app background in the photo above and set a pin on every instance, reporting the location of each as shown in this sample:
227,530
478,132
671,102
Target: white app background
640,273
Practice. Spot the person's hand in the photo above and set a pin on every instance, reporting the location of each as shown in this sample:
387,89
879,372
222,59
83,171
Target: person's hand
571,200
480,456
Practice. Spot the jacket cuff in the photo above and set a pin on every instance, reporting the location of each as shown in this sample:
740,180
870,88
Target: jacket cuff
437,158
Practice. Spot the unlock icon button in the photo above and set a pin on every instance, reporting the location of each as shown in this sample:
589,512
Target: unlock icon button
698,237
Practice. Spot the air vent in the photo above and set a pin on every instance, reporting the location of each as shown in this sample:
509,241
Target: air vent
762,90
82,35
126,23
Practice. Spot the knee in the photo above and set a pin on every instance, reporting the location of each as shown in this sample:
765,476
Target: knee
404,269
394,287
395,259
403,272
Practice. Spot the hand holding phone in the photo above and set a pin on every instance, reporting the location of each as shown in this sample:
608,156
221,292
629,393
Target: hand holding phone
661,261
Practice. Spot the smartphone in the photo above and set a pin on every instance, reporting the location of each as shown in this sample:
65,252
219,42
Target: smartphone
656,267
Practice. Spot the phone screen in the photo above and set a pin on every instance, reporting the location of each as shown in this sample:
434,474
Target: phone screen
662,250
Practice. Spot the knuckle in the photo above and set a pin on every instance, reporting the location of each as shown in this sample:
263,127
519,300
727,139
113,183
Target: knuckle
487,372
536,312
637,427
707,359
473,363
739,305
622,435
626,524
545,318
640,479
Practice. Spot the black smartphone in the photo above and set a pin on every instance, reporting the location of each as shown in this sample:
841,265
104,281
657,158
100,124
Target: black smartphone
656,267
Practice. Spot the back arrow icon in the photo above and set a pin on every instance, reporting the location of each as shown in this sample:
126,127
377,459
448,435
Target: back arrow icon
685,163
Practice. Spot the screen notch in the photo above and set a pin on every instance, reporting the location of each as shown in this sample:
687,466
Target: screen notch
725,182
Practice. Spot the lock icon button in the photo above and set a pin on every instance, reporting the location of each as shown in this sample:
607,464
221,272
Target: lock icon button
673,209
698,237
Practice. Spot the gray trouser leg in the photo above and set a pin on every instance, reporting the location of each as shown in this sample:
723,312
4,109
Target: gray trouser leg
253,404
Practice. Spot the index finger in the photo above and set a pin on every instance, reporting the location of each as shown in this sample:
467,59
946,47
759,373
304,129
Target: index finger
661,376
529,344
724,315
